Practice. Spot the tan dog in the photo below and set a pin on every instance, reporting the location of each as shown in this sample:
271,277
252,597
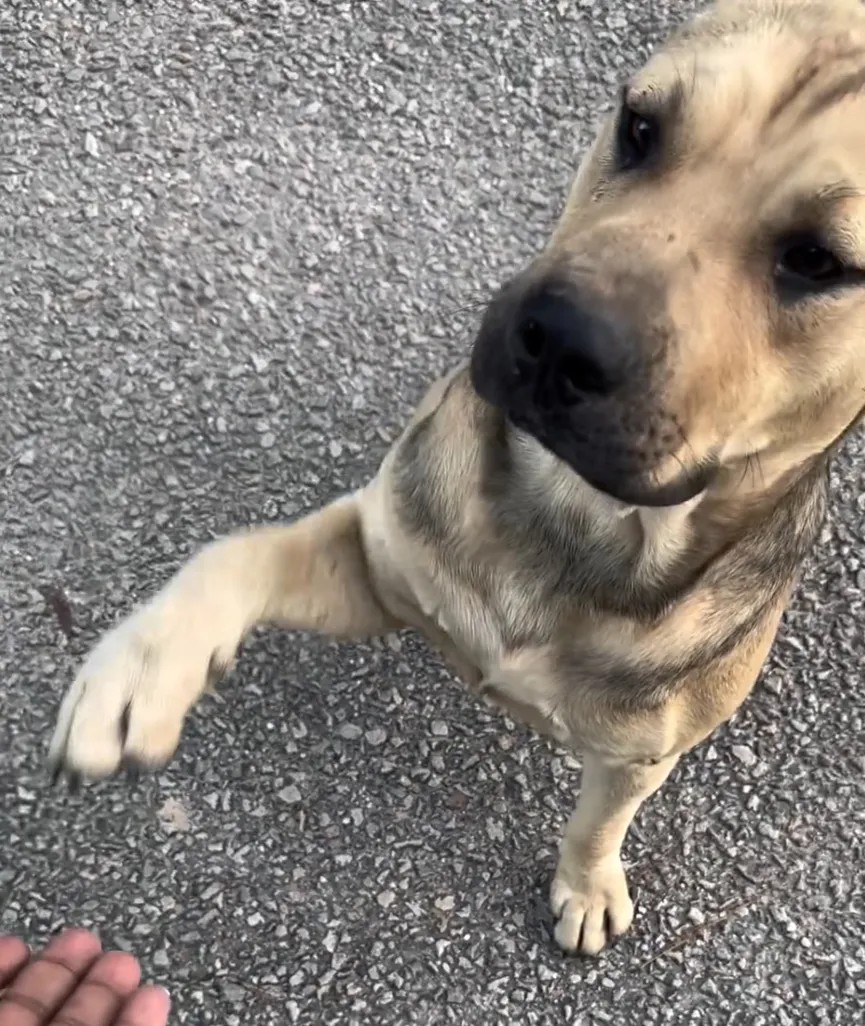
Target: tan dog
601,519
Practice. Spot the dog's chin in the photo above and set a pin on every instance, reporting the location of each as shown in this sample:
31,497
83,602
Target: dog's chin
639,491
624,487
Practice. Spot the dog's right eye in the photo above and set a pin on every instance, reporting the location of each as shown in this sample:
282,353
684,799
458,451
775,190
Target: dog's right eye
805,262
637,138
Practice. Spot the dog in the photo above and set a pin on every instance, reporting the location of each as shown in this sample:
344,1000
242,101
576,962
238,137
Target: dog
599,518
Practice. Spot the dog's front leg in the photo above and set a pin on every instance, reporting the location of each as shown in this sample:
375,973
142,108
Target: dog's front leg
130,698
590,893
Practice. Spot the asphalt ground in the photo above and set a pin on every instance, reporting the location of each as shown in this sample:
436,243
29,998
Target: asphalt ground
238,240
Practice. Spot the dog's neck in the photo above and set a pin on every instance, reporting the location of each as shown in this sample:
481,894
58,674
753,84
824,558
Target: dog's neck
655,555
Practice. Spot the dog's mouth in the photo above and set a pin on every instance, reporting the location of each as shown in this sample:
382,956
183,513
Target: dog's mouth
618,472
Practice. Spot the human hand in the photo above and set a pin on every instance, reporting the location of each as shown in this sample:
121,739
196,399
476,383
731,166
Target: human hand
73,983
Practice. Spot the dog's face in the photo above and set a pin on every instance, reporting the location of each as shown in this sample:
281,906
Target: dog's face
702,300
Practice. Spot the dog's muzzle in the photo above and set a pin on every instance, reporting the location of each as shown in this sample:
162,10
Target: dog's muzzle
576,375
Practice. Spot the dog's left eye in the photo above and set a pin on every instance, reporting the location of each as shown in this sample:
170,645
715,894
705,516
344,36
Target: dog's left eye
638,138
809,263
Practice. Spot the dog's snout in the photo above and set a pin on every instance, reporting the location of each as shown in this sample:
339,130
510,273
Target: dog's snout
560,343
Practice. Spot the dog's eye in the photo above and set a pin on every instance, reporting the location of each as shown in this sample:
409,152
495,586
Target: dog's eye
638,138
808,263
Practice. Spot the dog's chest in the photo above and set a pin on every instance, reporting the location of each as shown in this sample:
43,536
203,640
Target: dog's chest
477,613
424,590
476,625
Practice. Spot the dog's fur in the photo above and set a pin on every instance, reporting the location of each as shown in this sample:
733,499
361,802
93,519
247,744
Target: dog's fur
626,631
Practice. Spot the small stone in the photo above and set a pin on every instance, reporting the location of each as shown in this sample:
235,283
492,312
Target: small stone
268,440
495,831
377,736
335,448
173,816
330,942
259,362
696,916
27,458
290,795
350,731
774,684
233,992
744,754
160,959
91,146
445,904
386,899
439,728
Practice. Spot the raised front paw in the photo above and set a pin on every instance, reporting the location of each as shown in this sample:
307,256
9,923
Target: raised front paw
129,700
591,903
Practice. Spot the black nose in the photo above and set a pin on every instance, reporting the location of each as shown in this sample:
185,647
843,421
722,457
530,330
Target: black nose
570,350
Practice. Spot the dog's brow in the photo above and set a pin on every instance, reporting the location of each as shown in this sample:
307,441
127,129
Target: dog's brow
837,192
655,97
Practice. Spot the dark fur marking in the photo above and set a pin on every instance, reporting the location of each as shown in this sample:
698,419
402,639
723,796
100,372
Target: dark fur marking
414,471
416,475
795,89
848,86
746,579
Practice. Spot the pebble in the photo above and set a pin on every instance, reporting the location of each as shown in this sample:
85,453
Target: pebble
386,899
744,754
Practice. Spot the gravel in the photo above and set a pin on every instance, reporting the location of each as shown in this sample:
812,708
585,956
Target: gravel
238,240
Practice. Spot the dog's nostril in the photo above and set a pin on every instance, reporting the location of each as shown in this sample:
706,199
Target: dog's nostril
582,377
533,339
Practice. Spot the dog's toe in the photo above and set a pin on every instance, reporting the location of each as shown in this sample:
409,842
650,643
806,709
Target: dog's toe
592,907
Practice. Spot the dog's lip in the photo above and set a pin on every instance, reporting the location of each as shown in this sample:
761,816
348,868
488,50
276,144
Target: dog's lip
683,489
636,492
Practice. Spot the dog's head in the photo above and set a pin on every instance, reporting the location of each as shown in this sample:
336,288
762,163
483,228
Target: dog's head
701,303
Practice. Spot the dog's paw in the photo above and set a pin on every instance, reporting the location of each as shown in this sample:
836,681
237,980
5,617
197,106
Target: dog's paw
592,905
129,700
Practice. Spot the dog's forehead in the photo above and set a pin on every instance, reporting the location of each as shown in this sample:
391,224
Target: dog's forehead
757,74
770,93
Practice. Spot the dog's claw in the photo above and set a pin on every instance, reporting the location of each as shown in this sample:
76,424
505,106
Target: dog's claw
123,726
132,769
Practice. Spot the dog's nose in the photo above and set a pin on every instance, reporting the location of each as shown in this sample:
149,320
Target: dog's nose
561,344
